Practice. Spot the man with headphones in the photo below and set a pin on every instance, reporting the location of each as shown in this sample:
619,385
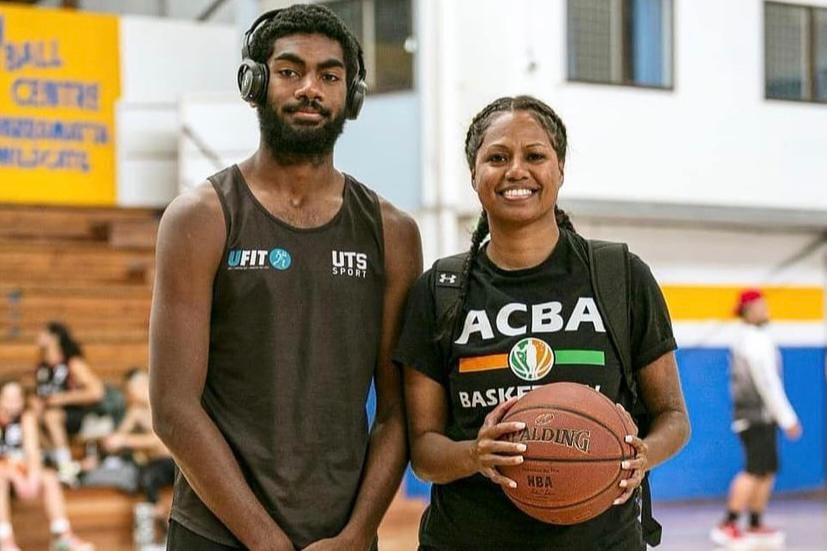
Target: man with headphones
279,287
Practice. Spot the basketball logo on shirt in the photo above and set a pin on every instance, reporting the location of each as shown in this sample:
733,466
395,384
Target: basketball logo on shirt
531,359
280,259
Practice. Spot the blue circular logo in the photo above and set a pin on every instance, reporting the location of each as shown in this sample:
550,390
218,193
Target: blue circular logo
280,259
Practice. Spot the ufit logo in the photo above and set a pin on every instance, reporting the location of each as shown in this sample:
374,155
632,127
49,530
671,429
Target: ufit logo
259,259
349,264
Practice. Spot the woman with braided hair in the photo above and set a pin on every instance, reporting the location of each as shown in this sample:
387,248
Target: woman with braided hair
526,276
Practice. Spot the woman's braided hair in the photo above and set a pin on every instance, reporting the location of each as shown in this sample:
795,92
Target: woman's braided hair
556,131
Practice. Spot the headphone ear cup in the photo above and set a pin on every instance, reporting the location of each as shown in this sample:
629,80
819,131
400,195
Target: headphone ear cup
356,97
252,81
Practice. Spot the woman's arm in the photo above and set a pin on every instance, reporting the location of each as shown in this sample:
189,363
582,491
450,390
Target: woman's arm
435,457
89,387
660,389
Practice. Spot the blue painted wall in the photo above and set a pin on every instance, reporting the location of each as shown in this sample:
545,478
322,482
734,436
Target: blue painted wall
707,464
381,148
705,467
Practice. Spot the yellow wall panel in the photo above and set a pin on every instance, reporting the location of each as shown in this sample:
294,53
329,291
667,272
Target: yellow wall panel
689,303
59,80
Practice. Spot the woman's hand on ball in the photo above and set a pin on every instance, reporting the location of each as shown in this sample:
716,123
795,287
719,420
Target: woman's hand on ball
489,452
638,465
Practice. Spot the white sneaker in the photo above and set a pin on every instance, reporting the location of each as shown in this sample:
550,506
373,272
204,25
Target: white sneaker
728,535
765,537
68,472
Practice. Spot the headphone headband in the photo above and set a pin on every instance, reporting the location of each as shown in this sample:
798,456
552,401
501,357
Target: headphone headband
266,16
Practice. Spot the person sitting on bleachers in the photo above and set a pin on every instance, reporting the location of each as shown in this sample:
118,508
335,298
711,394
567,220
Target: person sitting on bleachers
67,389
22,470
135,435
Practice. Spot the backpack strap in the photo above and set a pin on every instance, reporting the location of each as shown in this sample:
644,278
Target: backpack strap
609,270
447,282
610,273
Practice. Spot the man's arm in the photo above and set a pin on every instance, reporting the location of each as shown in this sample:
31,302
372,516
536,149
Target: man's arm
387,451
761,357
191,240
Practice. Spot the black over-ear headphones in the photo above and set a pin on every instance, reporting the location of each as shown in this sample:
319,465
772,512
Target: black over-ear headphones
253,76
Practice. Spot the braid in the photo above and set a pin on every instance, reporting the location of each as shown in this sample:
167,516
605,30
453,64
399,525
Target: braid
556,131
563,220
481,122
543,114
451,319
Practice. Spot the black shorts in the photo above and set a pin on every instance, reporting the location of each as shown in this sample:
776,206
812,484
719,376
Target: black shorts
625,540
182,539
760,449
74,418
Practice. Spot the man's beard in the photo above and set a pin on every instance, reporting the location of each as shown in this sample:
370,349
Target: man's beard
295,143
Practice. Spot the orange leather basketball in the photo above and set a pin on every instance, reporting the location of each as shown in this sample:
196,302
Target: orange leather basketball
575,439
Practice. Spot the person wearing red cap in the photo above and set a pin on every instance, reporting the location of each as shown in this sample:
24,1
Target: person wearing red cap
760,407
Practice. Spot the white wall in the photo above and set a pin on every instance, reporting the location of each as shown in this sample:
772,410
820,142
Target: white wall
163,60
709,256
379,148
189,9
713,140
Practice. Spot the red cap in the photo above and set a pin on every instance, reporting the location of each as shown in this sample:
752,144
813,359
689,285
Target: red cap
747,296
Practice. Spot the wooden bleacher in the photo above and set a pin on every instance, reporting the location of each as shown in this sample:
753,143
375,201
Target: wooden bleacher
92,269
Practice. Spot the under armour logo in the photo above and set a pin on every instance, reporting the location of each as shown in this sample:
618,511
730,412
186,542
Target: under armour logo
447,279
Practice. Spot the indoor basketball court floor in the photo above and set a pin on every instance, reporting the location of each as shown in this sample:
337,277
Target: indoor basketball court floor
804,519
686,525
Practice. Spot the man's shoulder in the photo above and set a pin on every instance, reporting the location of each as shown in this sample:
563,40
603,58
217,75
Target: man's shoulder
193,217
197,205
396,219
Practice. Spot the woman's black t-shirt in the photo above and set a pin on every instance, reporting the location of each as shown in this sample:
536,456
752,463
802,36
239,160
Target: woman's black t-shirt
522,329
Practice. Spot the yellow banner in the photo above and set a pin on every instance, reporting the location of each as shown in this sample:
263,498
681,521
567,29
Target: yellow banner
59,80
703,303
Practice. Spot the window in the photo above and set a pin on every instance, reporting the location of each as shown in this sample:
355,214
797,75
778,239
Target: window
384,28
620,42
795,52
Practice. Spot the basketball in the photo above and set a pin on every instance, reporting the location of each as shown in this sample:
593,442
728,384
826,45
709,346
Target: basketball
575,442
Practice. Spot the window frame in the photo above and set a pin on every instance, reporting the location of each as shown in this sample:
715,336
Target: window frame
368,42
626,60
812,67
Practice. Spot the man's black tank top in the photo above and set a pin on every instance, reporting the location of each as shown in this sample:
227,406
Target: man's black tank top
294,340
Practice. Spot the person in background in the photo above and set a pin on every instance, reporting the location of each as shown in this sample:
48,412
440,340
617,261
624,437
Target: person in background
66,390
22,470
760,406
135,435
